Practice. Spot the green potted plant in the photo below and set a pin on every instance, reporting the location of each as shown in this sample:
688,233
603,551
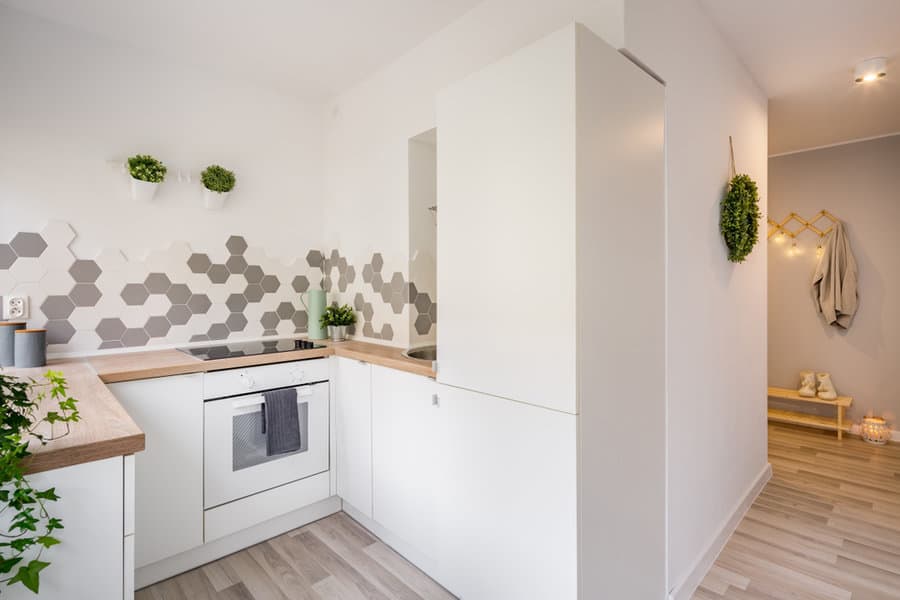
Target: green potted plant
146,175
337,319
217,183
28,529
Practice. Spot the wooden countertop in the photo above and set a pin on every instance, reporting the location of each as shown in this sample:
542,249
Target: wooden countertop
105,429
129,366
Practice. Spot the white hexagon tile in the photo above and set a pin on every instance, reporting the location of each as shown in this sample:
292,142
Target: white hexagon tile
178,294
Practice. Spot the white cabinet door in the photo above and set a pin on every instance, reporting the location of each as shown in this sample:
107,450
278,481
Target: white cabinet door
505,481
169,472
404,453
506,226
88,563
352,387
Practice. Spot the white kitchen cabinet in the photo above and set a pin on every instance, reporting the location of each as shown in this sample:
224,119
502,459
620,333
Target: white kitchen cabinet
169,472
89,562
352,385
505,484
405,453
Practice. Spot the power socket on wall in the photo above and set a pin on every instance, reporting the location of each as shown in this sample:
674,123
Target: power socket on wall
15,307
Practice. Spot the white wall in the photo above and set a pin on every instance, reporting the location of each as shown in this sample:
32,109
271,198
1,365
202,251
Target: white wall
372,122
72,101
716,311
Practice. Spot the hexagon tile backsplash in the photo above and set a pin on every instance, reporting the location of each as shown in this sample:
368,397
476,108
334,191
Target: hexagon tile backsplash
179,295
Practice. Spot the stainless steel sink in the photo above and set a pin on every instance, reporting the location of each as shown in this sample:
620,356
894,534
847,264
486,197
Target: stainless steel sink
422,353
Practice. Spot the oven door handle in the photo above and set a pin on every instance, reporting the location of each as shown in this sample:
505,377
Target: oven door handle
258,399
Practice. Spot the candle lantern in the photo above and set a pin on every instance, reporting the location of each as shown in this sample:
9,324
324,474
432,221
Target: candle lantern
875,430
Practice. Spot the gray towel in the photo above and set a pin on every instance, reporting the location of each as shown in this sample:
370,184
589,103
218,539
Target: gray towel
281,422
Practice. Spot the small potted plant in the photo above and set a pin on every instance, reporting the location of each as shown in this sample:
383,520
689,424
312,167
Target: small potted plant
337,319
146,175
217,182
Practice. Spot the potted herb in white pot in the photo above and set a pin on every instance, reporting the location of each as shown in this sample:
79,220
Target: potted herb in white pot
146,175
217,183
337,319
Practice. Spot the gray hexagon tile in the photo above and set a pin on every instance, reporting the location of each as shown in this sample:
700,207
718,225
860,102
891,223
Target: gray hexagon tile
300,284
315,259
377,262
110,329
135,336
253,274
7,256
59,331
236,265
85,294
199,304
57,307
423,302
269,320
376,282
285,310
300,320
423,324
387,332
178,314
218,331
270,284
367,273
236,303
253,293
199,263
178,293
157,283
236,244
28,245
157,327
236,322
84,271
135,294
218,274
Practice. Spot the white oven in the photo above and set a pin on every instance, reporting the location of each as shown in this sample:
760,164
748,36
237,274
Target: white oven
236,464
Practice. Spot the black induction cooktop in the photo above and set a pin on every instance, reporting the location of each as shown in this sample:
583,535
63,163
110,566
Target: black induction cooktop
235,349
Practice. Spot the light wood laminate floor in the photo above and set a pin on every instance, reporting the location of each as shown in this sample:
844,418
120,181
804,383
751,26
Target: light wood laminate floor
334,558
827,525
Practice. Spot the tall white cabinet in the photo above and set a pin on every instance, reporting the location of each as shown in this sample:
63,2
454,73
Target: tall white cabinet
551,271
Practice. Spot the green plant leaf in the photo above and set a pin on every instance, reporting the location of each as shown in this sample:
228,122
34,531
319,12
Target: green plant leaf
30,575
217,179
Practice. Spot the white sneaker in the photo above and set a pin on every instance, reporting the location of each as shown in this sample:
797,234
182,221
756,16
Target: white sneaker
826,387
807,384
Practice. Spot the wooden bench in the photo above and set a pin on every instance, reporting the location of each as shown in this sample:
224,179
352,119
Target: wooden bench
797,418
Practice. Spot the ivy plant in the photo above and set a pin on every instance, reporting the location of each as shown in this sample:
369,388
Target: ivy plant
740,215
146,168
28,528
337,316
217,179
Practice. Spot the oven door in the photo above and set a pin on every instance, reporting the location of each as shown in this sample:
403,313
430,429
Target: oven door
234,457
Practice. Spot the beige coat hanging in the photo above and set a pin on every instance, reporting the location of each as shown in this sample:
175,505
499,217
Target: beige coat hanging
835,280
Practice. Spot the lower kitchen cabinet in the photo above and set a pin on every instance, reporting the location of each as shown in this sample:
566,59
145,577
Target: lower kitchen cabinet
478,491
405,453
169,472
506,498
352,385
91,559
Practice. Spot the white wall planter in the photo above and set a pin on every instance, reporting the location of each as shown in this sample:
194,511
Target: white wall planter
143,191
214,200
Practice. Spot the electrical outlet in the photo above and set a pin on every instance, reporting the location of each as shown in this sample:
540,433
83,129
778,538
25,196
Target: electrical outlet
15,307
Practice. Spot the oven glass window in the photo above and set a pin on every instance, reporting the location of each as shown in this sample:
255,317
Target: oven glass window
249,440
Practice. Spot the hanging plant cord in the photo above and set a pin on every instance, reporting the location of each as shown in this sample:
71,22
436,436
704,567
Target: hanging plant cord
740,215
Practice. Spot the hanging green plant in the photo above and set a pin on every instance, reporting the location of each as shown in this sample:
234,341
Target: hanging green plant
740,217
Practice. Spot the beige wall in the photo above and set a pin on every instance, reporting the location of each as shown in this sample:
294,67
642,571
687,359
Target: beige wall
860,184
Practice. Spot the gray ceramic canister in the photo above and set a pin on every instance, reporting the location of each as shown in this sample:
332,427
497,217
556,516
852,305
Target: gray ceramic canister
31,348
7,342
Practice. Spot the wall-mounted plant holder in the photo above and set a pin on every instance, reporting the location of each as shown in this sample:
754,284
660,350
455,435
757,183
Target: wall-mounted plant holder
214,200
143,191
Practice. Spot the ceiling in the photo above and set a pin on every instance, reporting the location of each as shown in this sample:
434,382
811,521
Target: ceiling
803,52
312,49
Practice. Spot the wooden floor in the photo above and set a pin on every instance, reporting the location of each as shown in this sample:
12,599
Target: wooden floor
826,526
334,558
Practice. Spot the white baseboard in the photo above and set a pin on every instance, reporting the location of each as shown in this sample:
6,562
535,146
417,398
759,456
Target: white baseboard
687,586
230,544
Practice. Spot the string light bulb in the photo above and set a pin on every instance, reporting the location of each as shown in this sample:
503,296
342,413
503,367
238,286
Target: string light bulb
779,239
820,250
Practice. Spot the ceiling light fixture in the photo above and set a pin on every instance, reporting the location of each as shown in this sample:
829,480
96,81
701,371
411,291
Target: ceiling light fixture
870,70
